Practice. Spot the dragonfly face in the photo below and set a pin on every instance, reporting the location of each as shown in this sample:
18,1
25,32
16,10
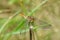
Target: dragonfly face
30,19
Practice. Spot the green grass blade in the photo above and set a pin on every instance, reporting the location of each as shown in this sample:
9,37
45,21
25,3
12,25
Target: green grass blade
1,29
38,6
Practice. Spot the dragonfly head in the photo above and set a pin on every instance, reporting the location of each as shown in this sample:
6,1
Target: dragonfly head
28,18
31,19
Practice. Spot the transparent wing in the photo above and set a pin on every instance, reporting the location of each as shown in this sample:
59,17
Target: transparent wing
42,24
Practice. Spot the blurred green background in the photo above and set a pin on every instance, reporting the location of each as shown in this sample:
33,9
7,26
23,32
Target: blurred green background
46,23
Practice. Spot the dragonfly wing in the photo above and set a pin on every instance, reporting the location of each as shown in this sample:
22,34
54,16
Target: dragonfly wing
42,24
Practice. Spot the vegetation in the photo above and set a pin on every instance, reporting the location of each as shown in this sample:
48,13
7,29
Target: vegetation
46,24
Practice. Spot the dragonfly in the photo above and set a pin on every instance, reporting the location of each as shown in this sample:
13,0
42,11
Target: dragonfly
31,21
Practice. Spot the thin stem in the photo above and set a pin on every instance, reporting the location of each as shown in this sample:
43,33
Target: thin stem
30,34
